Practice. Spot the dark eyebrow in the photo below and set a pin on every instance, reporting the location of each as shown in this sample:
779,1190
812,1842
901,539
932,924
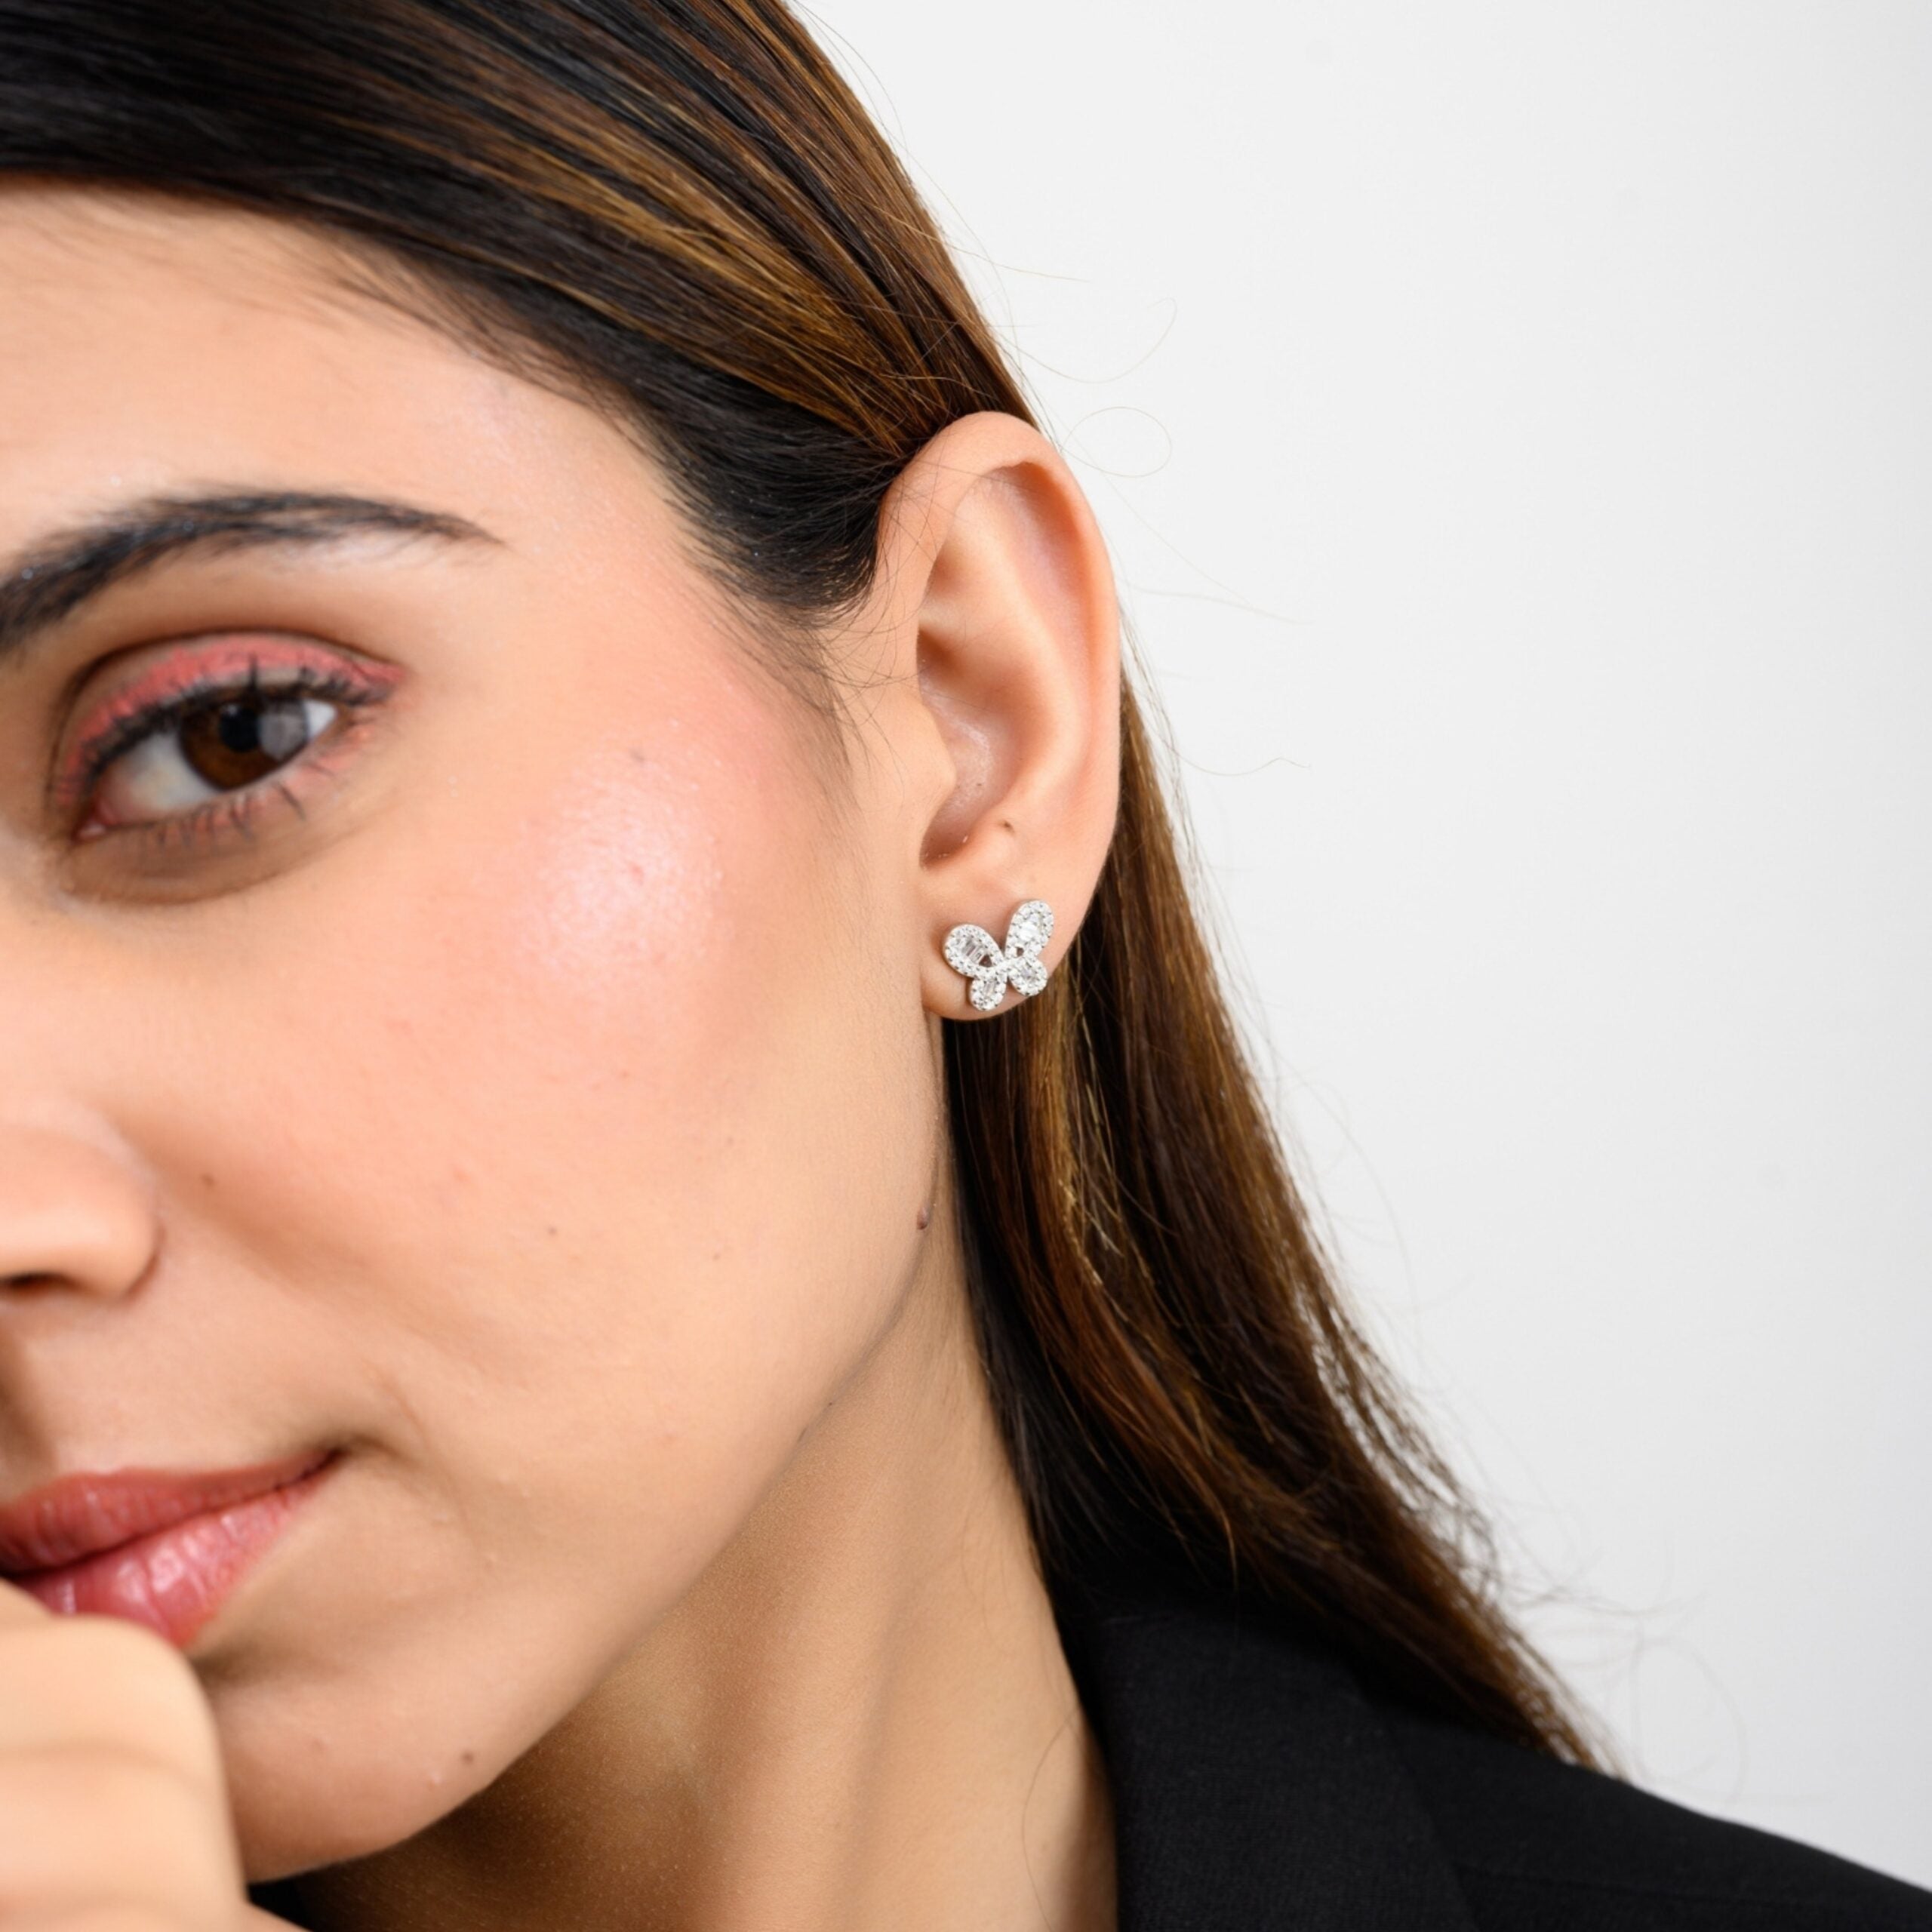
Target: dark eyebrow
50,581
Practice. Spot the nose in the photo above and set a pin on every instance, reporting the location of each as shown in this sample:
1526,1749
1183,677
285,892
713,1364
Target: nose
73,1215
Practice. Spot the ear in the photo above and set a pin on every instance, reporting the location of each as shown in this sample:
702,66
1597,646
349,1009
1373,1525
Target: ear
999,599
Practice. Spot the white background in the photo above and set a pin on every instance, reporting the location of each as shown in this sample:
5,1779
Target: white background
1514,424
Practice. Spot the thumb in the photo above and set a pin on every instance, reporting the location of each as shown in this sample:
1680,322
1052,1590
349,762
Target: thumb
17,1610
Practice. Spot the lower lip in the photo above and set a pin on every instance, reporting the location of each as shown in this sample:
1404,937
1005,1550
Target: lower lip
175,1580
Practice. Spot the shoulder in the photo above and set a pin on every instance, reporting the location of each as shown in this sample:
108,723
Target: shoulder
1260,1785
1537,1843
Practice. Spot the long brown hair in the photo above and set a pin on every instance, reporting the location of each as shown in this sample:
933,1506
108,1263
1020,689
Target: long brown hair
682,208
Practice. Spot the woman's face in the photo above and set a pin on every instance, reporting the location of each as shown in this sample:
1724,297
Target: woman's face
493,1060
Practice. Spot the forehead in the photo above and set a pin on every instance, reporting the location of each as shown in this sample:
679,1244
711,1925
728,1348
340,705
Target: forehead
148,344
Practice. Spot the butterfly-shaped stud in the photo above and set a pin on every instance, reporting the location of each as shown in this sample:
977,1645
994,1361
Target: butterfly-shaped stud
991,966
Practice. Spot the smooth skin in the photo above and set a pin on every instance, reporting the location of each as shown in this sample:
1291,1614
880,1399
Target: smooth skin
539,1100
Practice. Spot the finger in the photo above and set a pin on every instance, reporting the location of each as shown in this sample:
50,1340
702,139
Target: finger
16,1607
98,1680
113,1918
87,1827
116,1917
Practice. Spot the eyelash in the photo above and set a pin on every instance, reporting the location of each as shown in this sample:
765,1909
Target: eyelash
120,733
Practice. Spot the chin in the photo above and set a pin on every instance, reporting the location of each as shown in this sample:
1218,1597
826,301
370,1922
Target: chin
315,1782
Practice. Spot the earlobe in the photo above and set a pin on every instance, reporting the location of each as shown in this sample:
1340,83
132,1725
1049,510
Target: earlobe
1018,671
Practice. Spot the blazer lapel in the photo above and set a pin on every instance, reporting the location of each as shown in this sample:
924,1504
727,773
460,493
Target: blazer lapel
1254,1788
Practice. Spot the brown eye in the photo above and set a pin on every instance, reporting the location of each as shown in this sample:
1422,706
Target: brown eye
209,750
234,744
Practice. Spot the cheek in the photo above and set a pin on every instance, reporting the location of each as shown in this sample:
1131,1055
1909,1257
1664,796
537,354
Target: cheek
618,1175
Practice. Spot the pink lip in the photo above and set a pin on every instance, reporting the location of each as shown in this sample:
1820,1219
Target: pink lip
162,1550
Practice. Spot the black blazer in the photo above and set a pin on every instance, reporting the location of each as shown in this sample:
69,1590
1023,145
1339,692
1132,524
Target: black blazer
1260,1786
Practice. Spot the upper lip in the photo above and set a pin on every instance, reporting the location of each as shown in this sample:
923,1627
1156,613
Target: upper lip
82,1514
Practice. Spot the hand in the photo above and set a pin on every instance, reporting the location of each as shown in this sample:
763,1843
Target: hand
113,1809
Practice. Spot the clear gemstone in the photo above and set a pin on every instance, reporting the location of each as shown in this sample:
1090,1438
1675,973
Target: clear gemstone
969,949
1029,976
989,987
1030,928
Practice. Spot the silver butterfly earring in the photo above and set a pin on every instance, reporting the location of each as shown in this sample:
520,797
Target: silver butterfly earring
993,967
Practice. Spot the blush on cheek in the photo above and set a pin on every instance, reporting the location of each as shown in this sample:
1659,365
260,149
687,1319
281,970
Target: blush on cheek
661,912
624,881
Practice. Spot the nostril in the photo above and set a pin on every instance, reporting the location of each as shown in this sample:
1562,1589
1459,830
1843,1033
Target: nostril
78,1213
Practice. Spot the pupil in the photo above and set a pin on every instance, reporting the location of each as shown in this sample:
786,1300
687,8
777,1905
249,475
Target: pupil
237,727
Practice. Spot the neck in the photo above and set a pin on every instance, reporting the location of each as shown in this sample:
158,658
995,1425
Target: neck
860,1718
